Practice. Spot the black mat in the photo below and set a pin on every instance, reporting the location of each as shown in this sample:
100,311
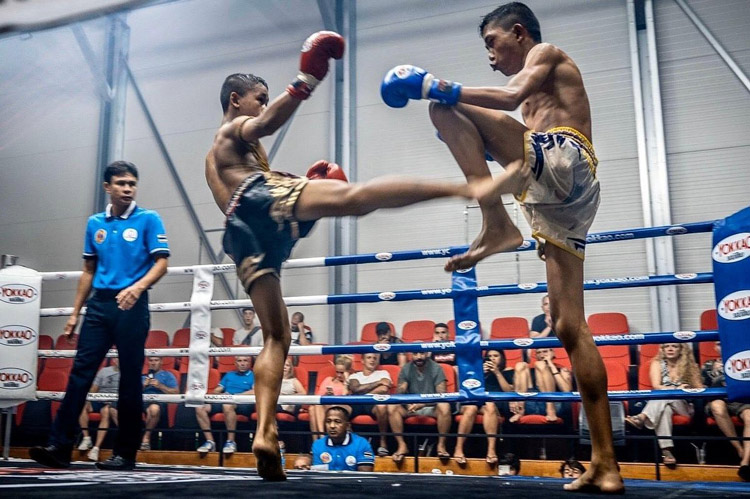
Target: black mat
24,478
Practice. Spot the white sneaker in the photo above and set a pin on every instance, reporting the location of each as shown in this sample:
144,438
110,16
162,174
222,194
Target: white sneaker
85,444
207,447
93,454
229,447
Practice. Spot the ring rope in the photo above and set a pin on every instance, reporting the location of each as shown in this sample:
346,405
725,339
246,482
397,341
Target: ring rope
527,245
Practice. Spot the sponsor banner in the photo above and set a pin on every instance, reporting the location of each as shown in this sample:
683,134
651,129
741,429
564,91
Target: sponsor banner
200,337
731,266
20,305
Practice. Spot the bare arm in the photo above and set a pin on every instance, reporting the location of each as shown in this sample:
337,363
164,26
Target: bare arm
276,114
440,387
654,374
540,62
298,388
128,296
402,387
303,334
380,386
82,292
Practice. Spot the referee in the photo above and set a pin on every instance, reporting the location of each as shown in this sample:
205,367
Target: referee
125,253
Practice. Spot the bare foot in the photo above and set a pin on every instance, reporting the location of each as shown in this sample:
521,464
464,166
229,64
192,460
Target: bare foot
401,452
597,480
268,459
492,239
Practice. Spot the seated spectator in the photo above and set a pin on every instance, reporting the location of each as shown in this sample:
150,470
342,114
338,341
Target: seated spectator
341,450
547,377
508,465
723,411
421,375
290,385
371,381
158,382
297,325
496,379
383,332
238,382
217,337
672,369
107,381
572,469
250,333
332,385
440,335
541,325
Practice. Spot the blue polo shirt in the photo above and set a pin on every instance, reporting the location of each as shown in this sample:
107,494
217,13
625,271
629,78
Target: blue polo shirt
166,378
235,382
124,247
353,451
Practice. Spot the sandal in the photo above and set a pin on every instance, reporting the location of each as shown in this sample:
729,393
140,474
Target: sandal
383,452
491,460
635,422
398,457
441,454
460,460
668,458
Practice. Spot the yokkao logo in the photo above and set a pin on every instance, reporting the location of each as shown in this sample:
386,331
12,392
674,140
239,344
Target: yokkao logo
732,249
738,366
528,394
201,335
464,271
527,286
467,325
524,245
471,383
673,231
735,306
383,257
325,457
380,397
382,347
387,295
17,294
351,460
684,335
523,342
686,277
203,284
16,335
693,390
13,378
130,235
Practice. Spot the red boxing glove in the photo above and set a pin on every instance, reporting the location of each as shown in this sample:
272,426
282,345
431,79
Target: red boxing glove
323,169
313,64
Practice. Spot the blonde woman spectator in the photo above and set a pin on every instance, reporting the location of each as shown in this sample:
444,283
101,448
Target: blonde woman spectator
673,368
290,385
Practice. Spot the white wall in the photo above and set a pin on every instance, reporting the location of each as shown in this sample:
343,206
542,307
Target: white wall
181,51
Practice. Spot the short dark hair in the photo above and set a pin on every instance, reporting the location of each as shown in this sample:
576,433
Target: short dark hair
441,324
573,464
252,309
340,409
301,315
117,168
240,83
511,13
511,460
382,328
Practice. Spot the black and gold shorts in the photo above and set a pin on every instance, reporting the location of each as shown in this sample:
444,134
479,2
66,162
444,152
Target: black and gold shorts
260,227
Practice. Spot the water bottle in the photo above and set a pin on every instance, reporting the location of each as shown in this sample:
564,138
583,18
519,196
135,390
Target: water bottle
282,450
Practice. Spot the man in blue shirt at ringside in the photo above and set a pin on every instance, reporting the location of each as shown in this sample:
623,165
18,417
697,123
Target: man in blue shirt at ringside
125,253
238,382
341,450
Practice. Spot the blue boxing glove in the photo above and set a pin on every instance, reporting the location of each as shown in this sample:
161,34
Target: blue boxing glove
410,82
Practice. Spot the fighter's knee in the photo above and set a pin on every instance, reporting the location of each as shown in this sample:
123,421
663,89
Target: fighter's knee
439,112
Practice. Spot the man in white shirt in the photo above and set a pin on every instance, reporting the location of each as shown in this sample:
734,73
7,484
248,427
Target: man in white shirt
251,333
371,381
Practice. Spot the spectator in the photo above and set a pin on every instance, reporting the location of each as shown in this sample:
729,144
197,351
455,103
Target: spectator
541,325
238,382
297,325
509,465
572,469
250,334
495,380
547,377
217,337
107,381
371,381
342,450
332,385
421,375
290,385
673,368
723,411
158,382
383,332
440,335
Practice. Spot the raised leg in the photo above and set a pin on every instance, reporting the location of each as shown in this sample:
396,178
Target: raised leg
565,286
266,296
521,383
546,383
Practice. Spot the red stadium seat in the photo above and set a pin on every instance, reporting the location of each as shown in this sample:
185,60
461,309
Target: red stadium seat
611,323
707,349
368,332
709,320
504,328
418,331
157,339
315,362
46,342
226,364
228,338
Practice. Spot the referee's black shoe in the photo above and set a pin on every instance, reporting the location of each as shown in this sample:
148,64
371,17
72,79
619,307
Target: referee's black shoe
116,463
51,456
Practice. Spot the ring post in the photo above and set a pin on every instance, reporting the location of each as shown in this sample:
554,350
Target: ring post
468,335
731,265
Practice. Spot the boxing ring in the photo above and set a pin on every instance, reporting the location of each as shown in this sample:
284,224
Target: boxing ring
733,308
